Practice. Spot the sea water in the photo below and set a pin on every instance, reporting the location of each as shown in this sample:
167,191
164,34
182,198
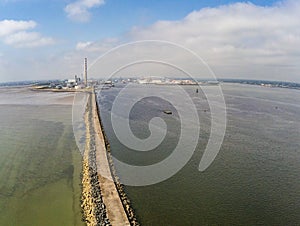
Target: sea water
254,179
40,164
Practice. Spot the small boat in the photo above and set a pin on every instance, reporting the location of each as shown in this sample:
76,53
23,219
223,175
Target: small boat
168,112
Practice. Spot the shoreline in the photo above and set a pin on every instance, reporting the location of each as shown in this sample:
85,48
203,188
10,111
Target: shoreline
68,90
104,201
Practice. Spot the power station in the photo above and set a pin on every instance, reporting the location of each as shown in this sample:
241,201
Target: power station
85,72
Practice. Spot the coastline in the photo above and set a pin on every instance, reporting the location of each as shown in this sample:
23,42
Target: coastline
46,89
103,199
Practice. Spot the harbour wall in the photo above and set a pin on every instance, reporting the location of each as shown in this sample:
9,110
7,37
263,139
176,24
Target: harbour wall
104,201
119,186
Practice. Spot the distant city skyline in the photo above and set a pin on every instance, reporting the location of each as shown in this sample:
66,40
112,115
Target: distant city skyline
238,39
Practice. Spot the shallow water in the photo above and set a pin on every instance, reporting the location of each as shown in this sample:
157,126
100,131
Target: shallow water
254,179
40,164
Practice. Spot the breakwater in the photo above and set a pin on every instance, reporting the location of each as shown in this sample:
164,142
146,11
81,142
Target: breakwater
93,207
119,186
103,201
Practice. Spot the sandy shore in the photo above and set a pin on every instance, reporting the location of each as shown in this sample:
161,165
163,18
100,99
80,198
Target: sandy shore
70,90
25,96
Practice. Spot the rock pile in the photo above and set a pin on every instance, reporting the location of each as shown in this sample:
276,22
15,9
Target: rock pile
93,207
120,187
125,200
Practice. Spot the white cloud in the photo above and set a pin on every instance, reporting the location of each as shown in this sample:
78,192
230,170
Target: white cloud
8,27
98,47
79,10
82,45
71,62
238,39
27,39
15,33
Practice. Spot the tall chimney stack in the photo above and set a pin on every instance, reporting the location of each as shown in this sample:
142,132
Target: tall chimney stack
85,71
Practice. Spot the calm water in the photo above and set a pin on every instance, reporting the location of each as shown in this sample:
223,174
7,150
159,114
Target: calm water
253,181
40,164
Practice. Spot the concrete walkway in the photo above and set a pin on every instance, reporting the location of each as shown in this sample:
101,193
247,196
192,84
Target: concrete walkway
115,211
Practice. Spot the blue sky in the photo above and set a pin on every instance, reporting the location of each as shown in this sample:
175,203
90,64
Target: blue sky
113,18
48,39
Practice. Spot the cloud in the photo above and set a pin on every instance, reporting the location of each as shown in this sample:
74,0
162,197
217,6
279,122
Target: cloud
82,45
71,62
98,47
16,34
8,27
238,39
28,39
79,10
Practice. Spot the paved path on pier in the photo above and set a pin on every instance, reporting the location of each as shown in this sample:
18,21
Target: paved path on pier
115,210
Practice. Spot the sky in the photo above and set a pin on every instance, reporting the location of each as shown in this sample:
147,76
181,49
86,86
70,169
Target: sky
42,40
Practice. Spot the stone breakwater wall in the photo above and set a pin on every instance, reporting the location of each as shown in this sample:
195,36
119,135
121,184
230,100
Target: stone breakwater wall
93,207
125,200
119,186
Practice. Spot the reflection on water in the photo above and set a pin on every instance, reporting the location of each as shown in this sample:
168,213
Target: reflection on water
253,181
39,162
